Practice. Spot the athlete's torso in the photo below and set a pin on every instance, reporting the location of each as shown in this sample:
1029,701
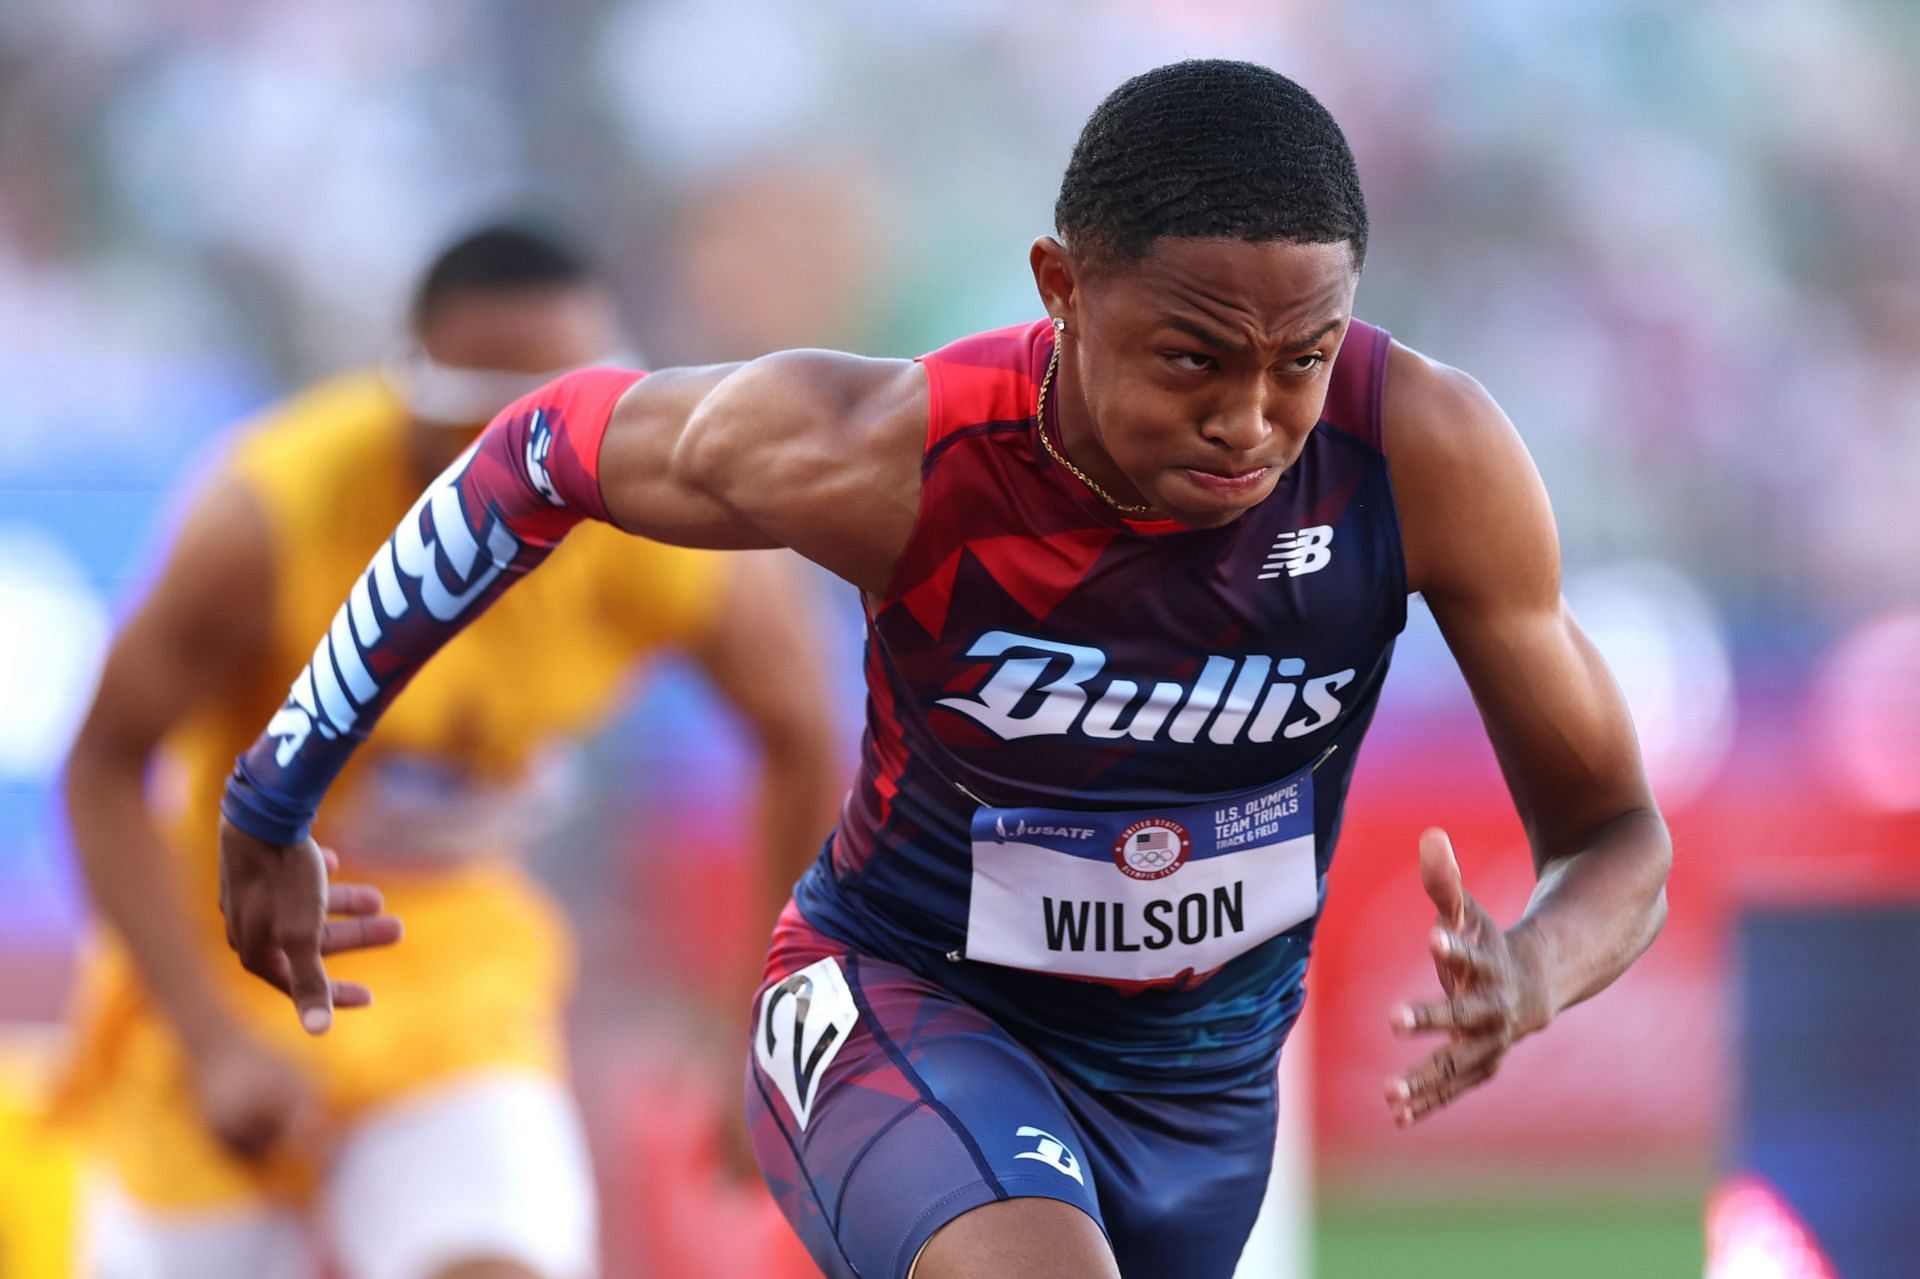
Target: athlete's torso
1035,650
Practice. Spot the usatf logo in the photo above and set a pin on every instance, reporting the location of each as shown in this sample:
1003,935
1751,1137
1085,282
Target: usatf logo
1043,688
539,445
1022,827
1152,849
1297,554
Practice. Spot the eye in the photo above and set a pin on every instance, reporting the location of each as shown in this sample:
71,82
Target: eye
1188,361
1306,364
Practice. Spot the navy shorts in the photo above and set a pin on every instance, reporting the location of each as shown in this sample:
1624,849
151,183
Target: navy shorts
882,1107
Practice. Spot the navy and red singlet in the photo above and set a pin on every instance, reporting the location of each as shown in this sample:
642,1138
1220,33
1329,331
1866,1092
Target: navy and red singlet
1035,650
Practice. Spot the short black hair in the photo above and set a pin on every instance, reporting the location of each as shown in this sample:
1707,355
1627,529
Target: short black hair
499,255
1210,148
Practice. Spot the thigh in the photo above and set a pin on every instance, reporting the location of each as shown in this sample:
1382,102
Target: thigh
1181,1176
882,1108
491,1167
123,1238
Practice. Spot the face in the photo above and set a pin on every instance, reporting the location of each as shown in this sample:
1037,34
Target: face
523,330
489,347
1203,367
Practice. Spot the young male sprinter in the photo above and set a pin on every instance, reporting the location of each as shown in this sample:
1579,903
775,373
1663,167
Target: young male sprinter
436,1135
1133,574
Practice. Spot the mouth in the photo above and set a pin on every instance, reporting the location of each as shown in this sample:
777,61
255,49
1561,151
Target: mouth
1238,484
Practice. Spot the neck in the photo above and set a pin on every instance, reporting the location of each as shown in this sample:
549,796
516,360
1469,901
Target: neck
431,449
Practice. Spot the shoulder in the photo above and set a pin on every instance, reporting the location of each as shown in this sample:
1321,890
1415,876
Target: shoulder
318,438
1468,494
987,377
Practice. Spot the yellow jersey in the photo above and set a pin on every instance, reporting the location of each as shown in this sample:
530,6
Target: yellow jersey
429,809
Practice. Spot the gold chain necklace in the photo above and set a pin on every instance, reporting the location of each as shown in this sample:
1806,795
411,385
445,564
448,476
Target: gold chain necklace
1046,441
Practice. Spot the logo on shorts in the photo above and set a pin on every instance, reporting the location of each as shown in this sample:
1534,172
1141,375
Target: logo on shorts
1152,849
1051,1151
804,1021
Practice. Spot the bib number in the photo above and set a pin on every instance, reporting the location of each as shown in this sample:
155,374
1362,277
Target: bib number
1146,895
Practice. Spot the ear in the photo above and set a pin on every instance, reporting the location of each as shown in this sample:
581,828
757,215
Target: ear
1054,276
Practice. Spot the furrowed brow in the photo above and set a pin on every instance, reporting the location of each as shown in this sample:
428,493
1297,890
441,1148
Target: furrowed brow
1308,343
1206,336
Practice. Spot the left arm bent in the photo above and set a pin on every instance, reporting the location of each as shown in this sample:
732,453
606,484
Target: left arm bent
1482,549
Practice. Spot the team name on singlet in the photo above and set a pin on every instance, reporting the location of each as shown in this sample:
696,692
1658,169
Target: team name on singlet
1040,687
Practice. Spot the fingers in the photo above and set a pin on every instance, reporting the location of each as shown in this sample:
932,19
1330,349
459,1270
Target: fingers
1461,1065
1467,1014
351,994
330,858
1464,963
276,972
307,981
353,899
1440,876
358,934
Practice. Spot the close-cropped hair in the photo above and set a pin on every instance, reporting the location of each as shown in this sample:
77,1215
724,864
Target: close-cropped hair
1209,148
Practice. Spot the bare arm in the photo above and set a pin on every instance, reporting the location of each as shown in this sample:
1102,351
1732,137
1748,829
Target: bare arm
206,622
208,615
813,450
1482,549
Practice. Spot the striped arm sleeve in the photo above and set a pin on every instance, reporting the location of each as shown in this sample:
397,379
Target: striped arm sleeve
493,515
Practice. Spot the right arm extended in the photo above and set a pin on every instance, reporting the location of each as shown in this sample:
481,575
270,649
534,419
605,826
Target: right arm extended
812,450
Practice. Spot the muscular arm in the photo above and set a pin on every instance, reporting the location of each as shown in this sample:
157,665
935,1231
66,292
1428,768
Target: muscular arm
1482,549
812,450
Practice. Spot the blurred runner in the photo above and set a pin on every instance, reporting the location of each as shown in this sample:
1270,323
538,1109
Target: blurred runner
1133,575
436,1136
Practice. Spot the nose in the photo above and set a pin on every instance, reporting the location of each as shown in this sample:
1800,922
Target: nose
1239,419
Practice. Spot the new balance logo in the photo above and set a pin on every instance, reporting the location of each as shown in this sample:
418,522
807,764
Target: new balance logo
1296,554
1051,1151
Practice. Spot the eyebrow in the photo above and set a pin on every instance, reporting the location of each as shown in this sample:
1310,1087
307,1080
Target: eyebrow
1201,333
1308,343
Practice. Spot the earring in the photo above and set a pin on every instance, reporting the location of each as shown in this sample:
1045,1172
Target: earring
1059,325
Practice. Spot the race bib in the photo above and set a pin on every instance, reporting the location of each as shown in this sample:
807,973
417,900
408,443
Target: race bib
1146,895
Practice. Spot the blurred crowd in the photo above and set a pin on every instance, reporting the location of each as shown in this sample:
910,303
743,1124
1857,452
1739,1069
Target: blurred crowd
1675,240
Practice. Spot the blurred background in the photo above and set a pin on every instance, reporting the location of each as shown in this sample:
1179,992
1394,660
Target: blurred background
1676,241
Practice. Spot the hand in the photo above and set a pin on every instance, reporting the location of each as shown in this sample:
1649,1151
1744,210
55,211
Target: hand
277,900
253,1100
1493,997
